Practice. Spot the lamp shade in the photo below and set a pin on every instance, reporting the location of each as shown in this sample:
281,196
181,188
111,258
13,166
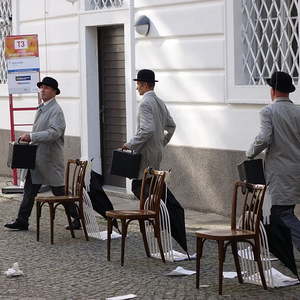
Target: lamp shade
142,25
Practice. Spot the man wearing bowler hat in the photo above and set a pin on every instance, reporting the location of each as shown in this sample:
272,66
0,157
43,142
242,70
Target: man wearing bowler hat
280,136
48,133
155,127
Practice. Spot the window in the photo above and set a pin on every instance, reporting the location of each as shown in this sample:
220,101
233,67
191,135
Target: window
102,4
270,39
5,30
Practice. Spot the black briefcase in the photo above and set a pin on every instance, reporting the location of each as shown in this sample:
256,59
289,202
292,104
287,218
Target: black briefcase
125,163
252,171
21,155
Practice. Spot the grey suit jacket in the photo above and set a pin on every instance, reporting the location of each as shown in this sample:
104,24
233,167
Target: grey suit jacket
280,136
155,127
48,133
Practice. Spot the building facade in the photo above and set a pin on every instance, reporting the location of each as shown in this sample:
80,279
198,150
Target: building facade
211,58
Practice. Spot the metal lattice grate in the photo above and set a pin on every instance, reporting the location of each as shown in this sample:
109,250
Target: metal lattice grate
103,4
270,39
5,30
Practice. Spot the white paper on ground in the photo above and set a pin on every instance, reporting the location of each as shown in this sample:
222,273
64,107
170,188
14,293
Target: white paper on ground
279,279
230,274
129,296
247,253
178,256
114,235
14,271
179,271
102,235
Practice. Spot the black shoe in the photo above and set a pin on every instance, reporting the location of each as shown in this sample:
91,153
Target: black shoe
75,225
16,225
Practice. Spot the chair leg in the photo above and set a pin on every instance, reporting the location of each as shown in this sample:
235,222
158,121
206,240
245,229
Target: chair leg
70,222
221,261
38,216
109,231
124,234
256,251
52,216
143,232
200,242
81,214
236,260
158,237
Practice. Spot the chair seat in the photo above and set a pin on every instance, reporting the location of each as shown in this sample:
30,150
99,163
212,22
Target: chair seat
128,214
55,199
225,234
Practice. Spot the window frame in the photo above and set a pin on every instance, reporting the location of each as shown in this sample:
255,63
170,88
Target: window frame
248,94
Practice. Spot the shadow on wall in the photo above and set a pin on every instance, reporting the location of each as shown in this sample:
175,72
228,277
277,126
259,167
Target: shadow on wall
203,179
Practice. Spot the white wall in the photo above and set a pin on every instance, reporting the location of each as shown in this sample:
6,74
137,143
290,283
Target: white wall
56,24
186,47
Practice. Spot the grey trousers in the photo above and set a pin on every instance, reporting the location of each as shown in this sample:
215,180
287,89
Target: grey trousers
286,214
30,192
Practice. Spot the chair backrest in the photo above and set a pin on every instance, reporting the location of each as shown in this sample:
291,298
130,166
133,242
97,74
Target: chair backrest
74,177
153,188
251,197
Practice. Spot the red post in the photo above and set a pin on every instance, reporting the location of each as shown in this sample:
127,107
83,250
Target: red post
12,134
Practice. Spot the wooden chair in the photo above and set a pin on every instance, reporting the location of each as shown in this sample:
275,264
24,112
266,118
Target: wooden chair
253,197
153,185
74,183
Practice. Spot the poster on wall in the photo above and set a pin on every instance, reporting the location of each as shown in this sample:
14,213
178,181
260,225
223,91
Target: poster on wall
22,57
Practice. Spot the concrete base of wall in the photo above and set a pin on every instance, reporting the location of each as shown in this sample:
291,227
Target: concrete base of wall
72,149
202,179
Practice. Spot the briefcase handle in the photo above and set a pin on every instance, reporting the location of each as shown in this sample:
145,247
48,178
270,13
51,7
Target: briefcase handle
132,151
21,142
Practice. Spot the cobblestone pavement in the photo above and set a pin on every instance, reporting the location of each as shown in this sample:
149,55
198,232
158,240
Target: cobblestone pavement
76,269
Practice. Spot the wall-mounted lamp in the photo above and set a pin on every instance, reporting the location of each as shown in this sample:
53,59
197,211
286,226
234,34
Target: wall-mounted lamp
142,25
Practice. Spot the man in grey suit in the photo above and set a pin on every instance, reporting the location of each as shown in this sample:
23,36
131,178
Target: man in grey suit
48,133
155,127
280,136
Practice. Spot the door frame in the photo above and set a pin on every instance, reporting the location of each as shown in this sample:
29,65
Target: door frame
90,121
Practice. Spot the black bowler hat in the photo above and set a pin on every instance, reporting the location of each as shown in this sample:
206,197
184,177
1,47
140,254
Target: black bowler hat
146,75
49,81
281,82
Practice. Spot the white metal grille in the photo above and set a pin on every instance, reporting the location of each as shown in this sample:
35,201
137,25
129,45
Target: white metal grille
270,39
103,4
5,30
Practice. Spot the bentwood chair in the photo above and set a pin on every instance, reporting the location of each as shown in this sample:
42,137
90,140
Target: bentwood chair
153,184
252,197
74,183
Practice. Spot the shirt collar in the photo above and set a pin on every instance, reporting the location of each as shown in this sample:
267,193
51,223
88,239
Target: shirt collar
148,93
281,99
47,102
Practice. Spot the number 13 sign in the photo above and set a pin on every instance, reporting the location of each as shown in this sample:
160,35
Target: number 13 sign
21,45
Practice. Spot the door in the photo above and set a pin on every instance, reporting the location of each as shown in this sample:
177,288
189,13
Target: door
112,97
